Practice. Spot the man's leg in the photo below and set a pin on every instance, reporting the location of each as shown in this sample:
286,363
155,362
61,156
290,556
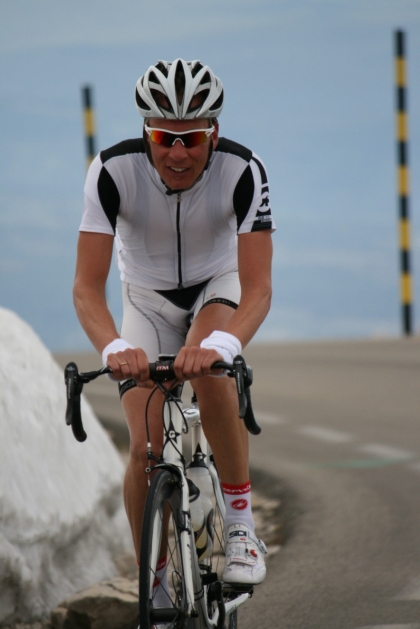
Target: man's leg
155,325
219,405
136,480
228,439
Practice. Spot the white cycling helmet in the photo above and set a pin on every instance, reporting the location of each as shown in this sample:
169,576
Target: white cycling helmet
168,90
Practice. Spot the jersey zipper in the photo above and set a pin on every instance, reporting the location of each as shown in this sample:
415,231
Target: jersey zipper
178,234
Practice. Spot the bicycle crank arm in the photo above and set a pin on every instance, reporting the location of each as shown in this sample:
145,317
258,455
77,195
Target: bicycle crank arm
230,607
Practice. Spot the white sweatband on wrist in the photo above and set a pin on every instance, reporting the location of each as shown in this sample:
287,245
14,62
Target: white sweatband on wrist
224,343
117,345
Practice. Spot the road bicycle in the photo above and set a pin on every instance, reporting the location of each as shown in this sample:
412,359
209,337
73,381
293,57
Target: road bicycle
196,596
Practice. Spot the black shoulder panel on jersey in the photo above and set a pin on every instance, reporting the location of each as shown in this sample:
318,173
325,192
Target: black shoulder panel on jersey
123,148
243,195
109,196
228,146
263,174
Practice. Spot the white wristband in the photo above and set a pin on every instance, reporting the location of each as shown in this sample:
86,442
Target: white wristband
224,343
117,345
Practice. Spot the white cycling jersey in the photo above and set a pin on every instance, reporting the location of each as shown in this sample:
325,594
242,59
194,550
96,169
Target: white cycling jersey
168,239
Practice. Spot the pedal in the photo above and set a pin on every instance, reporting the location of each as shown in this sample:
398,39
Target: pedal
237,588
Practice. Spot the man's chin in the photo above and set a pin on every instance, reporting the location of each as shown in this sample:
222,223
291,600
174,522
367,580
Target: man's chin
178,183
174,186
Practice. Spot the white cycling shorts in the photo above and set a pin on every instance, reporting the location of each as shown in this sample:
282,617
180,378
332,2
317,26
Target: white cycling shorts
156,324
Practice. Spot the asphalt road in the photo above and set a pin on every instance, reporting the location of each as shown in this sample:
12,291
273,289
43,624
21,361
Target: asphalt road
341,433
341,429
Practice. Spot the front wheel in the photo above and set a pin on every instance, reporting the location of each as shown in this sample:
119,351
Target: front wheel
161,538
215,563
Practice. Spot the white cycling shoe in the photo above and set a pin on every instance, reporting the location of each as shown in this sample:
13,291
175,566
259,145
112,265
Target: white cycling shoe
245,563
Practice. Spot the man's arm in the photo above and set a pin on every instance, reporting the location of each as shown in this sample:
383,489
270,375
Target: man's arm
94,253
255,252
254,263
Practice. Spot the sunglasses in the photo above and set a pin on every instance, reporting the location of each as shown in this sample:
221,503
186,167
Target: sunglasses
188,138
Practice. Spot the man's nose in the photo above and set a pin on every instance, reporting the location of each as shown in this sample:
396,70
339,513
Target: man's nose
178,150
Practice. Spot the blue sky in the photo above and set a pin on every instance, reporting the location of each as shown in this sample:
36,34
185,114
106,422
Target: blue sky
309,86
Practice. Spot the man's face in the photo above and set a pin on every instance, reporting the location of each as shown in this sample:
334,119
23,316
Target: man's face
178,166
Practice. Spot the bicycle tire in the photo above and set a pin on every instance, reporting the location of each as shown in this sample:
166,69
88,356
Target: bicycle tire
164,495
233,620
216,562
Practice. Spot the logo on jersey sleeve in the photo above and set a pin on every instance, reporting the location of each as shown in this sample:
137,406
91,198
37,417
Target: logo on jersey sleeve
265,203
263,216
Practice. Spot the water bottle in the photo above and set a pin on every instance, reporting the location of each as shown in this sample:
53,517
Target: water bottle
201,507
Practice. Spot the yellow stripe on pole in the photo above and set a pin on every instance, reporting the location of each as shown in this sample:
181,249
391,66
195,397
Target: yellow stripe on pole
403,181
406,288
89,122
404,235
400,71
402,126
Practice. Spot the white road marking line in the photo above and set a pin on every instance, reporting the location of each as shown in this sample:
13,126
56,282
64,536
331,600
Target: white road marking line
386,452
270,418
415,626
325,434
410,593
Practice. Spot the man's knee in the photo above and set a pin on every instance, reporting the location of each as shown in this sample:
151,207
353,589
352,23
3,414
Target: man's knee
209,387
138,454
212,383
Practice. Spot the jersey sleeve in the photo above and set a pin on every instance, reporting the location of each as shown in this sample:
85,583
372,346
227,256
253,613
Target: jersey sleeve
251,199
94,218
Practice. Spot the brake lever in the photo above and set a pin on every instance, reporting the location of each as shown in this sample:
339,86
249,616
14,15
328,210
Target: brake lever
239,365
74,387
244,377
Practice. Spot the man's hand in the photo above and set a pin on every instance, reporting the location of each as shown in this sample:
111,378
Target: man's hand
194,362
131,363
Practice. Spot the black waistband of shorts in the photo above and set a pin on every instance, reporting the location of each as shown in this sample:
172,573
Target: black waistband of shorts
220,300
184,298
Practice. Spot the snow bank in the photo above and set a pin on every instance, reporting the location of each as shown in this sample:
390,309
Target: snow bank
61,512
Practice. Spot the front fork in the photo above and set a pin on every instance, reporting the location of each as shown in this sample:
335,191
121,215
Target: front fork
173,424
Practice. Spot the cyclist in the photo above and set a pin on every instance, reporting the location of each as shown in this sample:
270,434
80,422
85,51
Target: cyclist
190,216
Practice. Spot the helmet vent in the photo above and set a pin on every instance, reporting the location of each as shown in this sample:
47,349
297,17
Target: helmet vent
153,77
161,100
218,103
161,66
199,100
140,102
206,79
196,69
180,82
